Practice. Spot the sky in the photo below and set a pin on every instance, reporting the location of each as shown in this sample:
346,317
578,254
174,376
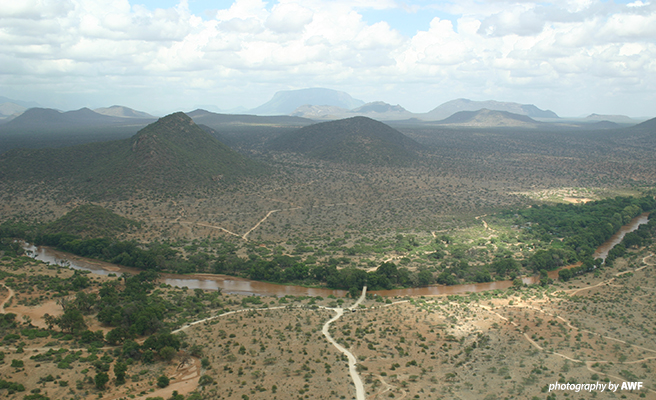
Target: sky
574,57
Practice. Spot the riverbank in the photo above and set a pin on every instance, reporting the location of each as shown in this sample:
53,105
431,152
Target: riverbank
237,285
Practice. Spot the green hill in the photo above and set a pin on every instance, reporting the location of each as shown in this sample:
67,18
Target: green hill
357,140
169,156
89,220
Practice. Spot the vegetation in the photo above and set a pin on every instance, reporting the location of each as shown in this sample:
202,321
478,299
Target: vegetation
170,155
90,220
357,140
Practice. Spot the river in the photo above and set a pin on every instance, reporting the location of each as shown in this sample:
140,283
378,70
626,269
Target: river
231,284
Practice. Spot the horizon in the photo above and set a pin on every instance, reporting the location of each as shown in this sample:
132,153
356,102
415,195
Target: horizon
576,59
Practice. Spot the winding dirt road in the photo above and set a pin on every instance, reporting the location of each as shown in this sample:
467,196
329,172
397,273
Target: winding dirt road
360,394
9,296
352,361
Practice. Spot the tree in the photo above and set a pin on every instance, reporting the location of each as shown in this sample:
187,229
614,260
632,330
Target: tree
425,277
120,368
565,275
167,353
163,381
101,380
72,321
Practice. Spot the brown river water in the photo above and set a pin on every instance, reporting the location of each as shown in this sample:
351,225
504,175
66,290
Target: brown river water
231,284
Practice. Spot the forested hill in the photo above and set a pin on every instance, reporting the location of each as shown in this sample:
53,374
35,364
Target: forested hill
89,220
357,140
169,156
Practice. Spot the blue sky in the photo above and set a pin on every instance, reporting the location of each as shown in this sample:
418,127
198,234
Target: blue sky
574,57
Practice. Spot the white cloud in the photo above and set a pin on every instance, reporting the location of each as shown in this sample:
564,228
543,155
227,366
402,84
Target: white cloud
516,48
288,17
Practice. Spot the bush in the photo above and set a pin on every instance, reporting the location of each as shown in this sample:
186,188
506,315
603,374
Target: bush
163,381
205,380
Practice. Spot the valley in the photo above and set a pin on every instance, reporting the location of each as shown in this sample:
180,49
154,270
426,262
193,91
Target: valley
459,206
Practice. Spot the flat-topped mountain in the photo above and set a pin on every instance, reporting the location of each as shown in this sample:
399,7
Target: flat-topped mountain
612,118
357,140
451,107
286,101
170,155
377,110
216,120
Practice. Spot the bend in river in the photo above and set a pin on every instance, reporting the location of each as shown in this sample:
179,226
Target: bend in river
231,284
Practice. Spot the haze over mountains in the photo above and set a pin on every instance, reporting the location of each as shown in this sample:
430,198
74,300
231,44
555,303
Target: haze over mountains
286,101
321,104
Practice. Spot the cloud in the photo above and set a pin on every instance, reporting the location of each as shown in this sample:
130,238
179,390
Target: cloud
288,17
507,46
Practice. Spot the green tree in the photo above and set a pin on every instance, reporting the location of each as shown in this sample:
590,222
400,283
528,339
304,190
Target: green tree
72,321
120,368
565,275
163,381
167,353
101,380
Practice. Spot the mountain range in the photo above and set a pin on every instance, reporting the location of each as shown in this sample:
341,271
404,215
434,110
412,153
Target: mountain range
311,104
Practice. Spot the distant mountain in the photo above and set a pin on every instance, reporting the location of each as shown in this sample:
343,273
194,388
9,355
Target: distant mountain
357,140
26,104
642,135
451,107
377,110
285,102
647,126
167,156
217,121
320,112
8,109
612,118
123,112
48,119
602,125
379,107
489,118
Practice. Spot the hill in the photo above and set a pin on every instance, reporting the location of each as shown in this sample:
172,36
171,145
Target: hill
170,155
49,119
285,102
9,109
217,121
46,127
320,112
612,118
122,112
356,140
379,107
451,107
90,220
648,126
489,118
25,104
377,110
